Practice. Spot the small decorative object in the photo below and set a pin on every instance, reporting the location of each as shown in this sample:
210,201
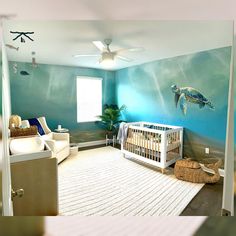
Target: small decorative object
190,170
61,130
188,94
34,64
23,72
21,35
14,121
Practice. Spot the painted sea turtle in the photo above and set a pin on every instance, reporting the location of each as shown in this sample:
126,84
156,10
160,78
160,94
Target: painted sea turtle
184,94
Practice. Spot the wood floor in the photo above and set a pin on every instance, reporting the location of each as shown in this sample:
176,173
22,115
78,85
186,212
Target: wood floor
217,226
207,202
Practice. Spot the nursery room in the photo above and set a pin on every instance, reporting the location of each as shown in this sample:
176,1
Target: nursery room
117,118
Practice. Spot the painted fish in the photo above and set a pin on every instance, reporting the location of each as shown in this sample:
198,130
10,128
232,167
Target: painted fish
23,72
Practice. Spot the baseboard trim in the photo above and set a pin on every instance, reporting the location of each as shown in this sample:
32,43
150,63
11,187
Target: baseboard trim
92,143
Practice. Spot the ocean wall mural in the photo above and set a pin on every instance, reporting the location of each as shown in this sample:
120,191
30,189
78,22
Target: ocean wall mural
235,105
1,85
50,91
189,91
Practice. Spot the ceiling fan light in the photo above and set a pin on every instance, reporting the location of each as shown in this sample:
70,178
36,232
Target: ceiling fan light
107,60
108,63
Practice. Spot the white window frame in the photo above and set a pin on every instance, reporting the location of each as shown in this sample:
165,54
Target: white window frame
77,103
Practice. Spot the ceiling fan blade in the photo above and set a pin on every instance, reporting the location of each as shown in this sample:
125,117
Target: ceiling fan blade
100,45
138,49
100,60
86,55
124,58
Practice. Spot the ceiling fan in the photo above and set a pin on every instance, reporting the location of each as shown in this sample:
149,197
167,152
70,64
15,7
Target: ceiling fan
107,57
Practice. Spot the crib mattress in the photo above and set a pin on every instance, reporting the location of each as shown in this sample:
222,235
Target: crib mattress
153,145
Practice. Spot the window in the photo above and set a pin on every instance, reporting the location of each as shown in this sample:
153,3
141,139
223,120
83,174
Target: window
89,98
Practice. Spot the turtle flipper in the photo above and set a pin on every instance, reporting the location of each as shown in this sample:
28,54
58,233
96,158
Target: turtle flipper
201,105
211,106
183,103
176,99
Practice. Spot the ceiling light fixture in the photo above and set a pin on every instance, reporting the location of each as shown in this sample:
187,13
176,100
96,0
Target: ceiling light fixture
107,60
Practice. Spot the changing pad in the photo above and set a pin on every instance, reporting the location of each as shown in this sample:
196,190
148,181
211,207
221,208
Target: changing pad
26,145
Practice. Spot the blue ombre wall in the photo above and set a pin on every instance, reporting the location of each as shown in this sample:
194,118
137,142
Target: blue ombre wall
50,91
234,102
146,91
1,85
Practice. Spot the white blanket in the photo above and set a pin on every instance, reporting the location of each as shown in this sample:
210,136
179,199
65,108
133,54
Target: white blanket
122,133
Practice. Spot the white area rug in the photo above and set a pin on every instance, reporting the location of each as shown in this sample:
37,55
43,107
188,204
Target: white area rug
101,182
118,225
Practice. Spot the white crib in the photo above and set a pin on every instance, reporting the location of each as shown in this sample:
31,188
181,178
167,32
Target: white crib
156,144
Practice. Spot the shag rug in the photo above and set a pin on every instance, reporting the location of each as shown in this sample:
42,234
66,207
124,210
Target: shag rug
101,182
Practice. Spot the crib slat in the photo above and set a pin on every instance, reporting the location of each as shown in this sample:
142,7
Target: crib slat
143,143
136,141
153,144
155,147
148,145
151,147
133,141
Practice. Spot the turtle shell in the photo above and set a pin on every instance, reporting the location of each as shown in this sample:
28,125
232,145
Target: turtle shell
193,95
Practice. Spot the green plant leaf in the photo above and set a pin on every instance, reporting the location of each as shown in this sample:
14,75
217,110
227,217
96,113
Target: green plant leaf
110,117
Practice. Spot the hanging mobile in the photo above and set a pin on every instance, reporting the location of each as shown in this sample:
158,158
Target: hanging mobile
34,64
21,35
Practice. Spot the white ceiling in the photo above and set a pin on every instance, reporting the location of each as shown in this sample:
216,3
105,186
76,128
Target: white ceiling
120,9
56,41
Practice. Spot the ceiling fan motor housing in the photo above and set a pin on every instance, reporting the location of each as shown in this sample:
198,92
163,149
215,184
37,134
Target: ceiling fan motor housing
107,41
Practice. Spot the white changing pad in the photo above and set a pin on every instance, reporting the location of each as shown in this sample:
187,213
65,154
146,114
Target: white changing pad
26,145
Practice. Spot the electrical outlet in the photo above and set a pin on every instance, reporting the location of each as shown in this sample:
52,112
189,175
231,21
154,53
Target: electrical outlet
207,150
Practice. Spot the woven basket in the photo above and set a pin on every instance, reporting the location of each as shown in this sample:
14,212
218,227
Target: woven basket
16,132
191,171
14,121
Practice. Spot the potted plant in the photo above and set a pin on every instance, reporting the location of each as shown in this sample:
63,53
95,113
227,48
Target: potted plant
110,119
